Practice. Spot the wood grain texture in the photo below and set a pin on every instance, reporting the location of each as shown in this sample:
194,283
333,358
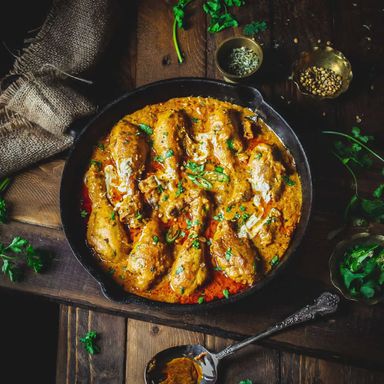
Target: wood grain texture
74,364
299,369
156,57
145,340
334,338
261,365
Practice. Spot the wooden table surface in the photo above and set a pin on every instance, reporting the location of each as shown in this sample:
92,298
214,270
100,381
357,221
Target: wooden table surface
345,348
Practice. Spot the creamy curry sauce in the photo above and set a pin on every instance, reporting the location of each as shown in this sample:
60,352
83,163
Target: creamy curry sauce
191,200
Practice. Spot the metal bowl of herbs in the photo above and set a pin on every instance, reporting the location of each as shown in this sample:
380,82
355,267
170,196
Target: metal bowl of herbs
238,58
357,268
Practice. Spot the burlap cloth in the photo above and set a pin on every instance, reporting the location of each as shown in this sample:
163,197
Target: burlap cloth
40,102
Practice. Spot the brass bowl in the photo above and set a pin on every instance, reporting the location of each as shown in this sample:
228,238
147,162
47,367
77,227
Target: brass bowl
224,49
338,255
326,57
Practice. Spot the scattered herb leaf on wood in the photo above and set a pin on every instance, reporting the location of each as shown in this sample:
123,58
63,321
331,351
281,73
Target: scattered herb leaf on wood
89,341
254,28
220,17
355,155
18,254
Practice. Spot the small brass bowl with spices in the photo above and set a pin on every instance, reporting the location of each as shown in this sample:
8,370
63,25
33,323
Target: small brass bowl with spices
357,268
238,58
323,73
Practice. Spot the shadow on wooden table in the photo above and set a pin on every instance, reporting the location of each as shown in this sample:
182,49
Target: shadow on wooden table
29,330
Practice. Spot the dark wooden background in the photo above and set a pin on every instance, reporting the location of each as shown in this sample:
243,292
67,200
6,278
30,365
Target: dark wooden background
346,348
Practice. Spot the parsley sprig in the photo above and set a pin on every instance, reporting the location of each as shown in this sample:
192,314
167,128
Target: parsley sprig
354,153
219,14
3,205
18,254
178,23
89,341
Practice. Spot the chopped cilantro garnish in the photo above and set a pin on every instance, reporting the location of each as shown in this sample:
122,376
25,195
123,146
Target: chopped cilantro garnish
274,261
146,128
288,181
230,144
226,293
218,217
228,254
219,169
259,155
196,244
113,214
159,159
195,120
83,213
200,300
138,215
165,197
168,154
180,189
155,239
100,146
98,164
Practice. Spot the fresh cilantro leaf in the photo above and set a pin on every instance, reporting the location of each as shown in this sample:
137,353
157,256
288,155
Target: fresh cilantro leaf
218,217
200,300
89,341
226,293
168,154
274,261
180,189
146,128
155,239
232,3
96,163
378,192
195,168
246,381
83,213
254,28
17,244
287,180
20,253
228,254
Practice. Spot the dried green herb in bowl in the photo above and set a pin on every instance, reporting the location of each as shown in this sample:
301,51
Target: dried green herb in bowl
238,58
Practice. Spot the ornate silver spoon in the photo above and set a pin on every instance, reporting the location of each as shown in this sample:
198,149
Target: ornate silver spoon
325,304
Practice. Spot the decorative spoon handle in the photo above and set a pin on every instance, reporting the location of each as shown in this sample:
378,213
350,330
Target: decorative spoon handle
325,304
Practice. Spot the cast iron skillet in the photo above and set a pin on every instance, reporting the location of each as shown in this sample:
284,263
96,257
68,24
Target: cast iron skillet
80,155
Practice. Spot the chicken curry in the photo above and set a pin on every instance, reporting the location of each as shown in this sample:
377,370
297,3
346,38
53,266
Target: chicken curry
191,200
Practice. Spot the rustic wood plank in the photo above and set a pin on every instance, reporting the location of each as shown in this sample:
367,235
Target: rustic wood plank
261,365
74,364
145,340
306,370
156,57
68,282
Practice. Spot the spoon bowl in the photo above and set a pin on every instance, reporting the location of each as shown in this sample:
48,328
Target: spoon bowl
208,362
154,371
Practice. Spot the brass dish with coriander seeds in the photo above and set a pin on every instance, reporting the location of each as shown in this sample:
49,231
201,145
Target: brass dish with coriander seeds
323,73
191,200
